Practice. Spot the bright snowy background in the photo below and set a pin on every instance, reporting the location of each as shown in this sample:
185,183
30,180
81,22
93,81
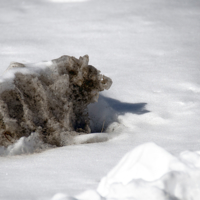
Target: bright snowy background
151,50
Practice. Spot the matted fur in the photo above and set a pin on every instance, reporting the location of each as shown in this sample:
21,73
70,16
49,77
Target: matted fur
53,102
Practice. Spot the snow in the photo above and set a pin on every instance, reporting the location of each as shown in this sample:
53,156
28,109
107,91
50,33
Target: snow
150,49
149,166
25,145
147,172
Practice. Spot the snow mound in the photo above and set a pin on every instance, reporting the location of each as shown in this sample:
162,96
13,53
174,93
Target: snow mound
149,172
49,98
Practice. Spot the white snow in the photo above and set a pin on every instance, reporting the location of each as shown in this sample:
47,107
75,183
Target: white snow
147,172
150,49
25,145
6,79
152,169
67,1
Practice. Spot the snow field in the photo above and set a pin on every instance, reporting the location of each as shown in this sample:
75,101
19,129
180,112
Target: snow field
150,49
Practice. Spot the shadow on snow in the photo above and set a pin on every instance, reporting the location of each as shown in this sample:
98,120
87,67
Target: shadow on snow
107,110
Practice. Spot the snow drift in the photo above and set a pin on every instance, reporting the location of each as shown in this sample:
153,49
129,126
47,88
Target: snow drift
148,172
49,98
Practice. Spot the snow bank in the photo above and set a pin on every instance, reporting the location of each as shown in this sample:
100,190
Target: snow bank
49,98
149,172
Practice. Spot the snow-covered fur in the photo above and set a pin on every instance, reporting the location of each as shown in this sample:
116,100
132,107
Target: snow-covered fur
50,98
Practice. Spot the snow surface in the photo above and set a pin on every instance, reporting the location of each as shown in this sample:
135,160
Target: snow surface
150,49
148,172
